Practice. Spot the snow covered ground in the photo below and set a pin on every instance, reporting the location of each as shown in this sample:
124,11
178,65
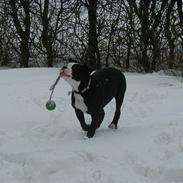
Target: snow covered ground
39,146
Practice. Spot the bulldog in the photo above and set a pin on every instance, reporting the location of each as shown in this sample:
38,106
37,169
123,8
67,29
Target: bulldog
92,91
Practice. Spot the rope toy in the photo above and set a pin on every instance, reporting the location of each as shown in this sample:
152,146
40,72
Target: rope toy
50,104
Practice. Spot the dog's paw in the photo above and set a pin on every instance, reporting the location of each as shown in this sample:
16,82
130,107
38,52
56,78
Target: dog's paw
112,126
86,138
90,134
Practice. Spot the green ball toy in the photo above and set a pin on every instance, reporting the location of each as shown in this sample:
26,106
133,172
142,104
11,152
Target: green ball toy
50,105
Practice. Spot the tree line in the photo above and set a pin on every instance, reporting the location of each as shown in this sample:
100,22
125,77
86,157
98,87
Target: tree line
143,35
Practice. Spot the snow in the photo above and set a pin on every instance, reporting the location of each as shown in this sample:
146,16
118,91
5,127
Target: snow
39,146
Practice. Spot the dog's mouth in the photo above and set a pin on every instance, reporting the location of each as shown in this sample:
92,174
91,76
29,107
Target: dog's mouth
65,73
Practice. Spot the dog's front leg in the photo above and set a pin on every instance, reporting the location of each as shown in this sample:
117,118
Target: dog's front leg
81,119
93,125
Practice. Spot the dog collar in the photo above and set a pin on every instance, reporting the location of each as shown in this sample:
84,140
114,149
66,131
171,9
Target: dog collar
85,89
88,86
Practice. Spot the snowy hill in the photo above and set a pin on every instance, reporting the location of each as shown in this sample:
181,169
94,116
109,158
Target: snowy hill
38,146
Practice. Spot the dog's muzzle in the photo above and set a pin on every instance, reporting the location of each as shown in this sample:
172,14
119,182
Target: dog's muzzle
65,72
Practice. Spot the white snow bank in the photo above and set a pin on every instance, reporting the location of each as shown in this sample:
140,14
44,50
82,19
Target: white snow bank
38,146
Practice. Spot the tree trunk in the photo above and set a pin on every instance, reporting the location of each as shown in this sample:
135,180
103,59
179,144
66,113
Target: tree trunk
24,57
93,51
155,51
169,36
127,63
47,35
50,57
180,12
144,60
24,33
143,15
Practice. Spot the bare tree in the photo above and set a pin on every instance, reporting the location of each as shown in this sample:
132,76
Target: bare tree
93,51
156,15
180,12
113,26
47,34
168,33
150,14
142,35
53,14
22,23
4,43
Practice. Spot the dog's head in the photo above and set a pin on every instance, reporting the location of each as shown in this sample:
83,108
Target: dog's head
75,73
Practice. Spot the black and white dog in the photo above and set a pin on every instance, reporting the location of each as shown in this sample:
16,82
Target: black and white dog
92,90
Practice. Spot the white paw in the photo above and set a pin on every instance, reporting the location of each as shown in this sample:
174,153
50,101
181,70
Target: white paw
112,126
85,138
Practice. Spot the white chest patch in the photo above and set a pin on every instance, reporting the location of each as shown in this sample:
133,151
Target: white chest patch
79,103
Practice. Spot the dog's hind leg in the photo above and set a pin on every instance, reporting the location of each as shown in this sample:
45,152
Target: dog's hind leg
81,119
119,100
